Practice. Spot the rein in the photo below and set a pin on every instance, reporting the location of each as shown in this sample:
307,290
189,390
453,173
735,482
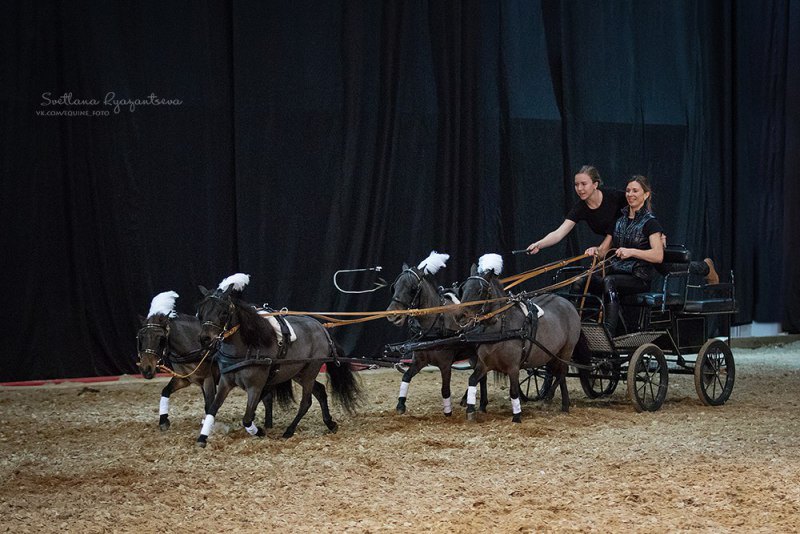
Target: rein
331,319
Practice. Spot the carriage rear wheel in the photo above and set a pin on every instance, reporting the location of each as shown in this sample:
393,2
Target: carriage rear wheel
601,380
714,373
648,377
534,384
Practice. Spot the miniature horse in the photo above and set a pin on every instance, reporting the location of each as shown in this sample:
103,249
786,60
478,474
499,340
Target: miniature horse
170,337
415,288
549,339
252,357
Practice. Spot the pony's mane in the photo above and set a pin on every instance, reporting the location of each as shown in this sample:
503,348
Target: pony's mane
433,262
490,262
238,281
255,331
163,304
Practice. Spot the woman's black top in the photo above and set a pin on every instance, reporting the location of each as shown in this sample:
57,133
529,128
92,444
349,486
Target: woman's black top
601,219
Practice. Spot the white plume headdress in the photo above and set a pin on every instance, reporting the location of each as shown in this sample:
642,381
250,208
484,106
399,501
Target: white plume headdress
433,262
238,281
490,262
163,304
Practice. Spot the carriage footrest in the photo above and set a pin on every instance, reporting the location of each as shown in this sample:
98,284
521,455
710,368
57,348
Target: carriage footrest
636,340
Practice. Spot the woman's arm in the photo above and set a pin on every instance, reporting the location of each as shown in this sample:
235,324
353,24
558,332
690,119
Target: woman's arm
655,254
552,238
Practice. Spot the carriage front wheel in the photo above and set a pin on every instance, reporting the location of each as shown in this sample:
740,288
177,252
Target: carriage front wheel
714,373
648,377
601,380
534,384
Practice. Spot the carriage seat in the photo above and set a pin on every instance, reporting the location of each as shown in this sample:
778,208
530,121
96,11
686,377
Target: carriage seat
668,289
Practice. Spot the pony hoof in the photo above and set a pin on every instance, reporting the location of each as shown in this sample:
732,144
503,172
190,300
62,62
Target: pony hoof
400,410
463,403
483,409
201,444
260,433
517,418
333,427
164,426
448,414
471,416
287,435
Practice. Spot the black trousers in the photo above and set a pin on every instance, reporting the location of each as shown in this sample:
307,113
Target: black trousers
612,287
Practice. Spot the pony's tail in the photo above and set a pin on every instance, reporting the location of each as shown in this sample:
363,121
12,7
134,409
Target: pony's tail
284,394
582,353
344,383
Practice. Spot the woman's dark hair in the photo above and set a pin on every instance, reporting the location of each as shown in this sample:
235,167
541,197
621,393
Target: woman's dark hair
593,173
645,183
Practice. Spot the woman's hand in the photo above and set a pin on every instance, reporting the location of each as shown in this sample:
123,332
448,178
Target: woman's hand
533,248
625,253
591,251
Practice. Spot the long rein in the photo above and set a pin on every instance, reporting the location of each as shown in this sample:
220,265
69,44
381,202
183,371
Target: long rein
332,321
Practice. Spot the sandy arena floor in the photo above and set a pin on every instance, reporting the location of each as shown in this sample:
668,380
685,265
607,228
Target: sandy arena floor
91,458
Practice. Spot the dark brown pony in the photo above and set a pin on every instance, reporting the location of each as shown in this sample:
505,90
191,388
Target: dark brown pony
170,338
414,288
547,340
251,357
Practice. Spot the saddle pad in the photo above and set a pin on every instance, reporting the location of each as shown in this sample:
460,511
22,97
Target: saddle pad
524,309
277,327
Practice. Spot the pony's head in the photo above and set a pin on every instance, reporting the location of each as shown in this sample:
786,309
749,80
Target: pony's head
483,283
217,311
408,285
152,340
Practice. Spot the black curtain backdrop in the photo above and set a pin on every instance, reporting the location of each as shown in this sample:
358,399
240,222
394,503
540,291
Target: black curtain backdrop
316,136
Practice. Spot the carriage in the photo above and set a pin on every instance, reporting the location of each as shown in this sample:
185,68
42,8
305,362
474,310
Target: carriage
682,326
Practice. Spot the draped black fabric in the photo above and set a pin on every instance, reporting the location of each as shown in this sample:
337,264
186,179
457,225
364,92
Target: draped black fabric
291,139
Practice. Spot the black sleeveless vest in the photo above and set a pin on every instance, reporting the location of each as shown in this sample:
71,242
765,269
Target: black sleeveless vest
629,233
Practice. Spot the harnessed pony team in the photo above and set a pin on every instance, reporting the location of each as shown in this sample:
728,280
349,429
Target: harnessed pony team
229,344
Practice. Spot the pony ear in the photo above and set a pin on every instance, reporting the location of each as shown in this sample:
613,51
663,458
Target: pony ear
473,270
203,291
405,266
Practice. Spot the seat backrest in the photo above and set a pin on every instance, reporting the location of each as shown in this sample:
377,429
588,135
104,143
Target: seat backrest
676,260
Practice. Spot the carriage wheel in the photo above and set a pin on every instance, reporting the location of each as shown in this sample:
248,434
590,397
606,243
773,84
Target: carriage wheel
714,373
648,377
601,380
534,384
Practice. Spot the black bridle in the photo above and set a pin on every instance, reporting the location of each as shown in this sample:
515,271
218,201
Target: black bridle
163,341
221,329
417,291
483,295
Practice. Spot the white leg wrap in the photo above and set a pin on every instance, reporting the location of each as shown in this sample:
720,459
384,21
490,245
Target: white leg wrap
448,406
163,406
403,389
252,429
515,407
472,393
208,424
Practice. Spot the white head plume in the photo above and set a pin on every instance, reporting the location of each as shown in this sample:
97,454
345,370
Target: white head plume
238,281
490,262
164,304
434,262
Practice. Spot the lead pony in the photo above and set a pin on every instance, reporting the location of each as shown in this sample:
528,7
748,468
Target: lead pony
544,331
415,287
169,337
252,355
